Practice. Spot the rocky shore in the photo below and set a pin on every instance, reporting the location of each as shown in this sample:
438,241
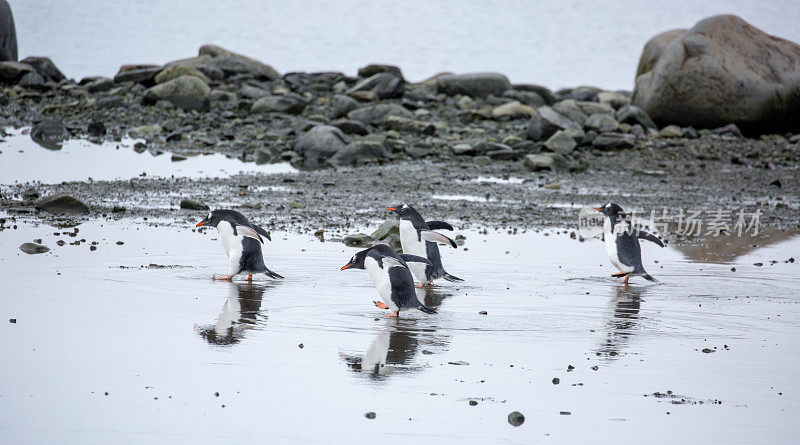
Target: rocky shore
373,138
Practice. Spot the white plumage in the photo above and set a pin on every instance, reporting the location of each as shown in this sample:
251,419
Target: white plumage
380,277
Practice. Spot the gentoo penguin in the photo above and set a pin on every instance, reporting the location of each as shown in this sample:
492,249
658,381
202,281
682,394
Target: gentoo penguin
622,242
389,271
242,241
418,238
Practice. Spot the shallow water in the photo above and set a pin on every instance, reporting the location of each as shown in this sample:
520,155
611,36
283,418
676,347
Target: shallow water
162,340
23,160
558,44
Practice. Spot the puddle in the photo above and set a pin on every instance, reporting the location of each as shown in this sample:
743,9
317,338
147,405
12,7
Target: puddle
497,180
143,322
23,160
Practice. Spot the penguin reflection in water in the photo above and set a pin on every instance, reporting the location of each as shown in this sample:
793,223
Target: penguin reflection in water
242,241
392,277
240,313
622,243
417,237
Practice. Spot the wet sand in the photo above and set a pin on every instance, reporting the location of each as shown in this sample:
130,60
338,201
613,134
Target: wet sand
138,335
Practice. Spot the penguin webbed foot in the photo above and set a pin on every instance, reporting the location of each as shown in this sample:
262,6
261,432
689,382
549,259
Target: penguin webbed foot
222,278
393,315
381,304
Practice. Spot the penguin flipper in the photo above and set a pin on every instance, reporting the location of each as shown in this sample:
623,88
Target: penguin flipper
649,237
415,259
438,225
248,232
262,232
436,237
273,275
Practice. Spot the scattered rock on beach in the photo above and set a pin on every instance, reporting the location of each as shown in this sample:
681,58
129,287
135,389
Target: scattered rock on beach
473,85
62,204
33,248
186,92
191,204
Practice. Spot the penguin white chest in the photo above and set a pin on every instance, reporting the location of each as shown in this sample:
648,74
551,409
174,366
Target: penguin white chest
382,281
413,245
610,237
232,244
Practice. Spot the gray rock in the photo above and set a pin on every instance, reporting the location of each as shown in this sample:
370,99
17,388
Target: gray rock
570,109
516,418
384,85
545,161
262,156
342,105
654,48
544,92
290,103
31,80
614,99
222,96
722,71
49,133
191,204
33,248
546,121
359,240
473,85
389,227
601,122
378,114
186,92
320,143
631,114
591,108
561,142
505,153
730,130
373,69
358,153
143,74
526,97
463,149
62,204
671,131
482,160
45,68
11,72
582,93
251,92
231,63
405,124
174,72
100,85
614,141
349,126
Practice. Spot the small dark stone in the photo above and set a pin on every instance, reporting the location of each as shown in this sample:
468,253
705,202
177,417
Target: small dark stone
300,346
370,415
483,313
12,320
556,380
516,418
708,351
96,128
473,403
565,413
191,204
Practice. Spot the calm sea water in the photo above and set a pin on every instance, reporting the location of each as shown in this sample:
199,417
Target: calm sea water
555,43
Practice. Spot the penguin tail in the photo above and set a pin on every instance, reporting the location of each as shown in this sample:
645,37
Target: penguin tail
649,277
273,275
451,278
426,309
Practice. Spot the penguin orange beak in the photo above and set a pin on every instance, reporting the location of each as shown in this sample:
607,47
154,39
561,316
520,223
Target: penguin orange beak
391,208
599,209
346,266
202,223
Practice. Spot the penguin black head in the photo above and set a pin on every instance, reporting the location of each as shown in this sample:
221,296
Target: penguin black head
403,210
212,219
357,261
610,209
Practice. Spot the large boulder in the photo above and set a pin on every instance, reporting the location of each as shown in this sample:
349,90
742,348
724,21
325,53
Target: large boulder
45,67
187,92
722,71
473,85
378,114
232,63
290,103
383,85
11,72
358,153
320,143
654,48
173,72
8,34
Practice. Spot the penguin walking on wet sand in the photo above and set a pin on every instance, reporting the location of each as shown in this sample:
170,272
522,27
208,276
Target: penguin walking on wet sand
242,241
392,277
417,237
622,243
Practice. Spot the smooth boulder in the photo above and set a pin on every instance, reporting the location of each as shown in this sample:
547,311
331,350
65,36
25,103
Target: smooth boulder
654,48
320,143
378,114
723,71
187,92
60,204
473,85
546,121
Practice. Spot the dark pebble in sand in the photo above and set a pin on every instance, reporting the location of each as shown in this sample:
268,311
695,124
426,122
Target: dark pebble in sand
12,320
92,248
473,402
33,248
708,351
459,362
570,368
300,346
370,415
556,380
216,394
565,413
119,243
516,418
733,269
106,392
758,264
483,313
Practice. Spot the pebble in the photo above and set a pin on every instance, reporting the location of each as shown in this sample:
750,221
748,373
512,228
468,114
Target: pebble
516,418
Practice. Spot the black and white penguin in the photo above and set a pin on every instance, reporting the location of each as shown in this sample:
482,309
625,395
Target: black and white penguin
242,241
392,277
417,237
622,243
